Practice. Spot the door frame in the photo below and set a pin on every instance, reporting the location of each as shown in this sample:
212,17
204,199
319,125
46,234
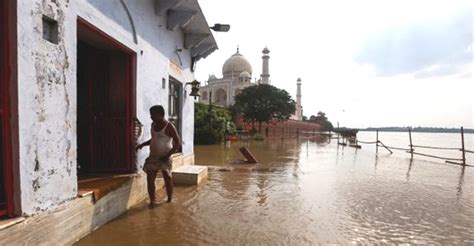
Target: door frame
131,100
5,108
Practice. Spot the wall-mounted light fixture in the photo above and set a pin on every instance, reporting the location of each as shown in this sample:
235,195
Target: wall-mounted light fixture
220,27
194,88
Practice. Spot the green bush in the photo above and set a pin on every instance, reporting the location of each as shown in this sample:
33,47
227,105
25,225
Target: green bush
211,127
203,136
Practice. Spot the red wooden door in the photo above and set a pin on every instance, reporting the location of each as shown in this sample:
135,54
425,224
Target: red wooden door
110,113
108,123
6,176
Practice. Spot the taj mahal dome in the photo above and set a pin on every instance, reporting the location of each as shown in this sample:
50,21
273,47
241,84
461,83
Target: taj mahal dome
237,75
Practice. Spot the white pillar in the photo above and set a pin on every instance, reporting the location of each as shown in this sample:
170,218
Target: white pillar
265,70
299,111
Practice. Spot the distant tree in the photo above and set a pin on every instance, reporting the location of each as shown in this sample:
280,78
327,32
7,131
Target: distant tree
322,120
321,116
305,118
234,112
263,103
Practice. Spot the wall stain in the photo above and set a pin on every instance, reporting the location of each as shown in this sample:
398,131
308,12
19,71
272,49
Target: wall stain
36,164
36,185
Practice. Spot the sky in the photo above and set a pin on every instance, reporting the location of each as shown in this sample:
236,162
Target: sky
365,63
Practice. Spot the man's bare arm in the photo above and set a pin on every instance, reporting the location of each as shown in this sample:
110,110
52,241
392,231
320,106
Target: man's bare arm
173,133
143,145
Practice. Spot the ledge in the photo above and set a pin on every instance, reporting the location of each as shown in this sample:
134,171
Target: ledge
10,222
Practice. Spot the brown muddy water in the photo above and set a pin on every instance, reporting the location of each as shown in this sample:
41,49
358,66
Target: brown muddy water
306,193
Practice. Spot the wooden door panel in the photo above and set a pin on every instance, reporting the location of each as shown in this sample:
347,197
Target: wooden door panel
109,113
3,199
2,174
109,152
6,173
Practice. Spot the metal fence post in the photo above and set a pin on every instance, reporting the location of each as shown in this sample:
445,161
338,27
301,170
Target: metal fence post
377,142
411,143
463,150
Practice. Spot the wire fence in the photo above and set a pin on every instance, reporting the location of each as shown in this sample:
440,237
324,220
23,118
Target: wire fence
307,133
411,150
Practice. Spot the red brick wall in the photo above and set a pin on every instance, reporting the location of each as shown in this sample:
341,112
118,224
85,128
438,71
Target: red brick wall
289,129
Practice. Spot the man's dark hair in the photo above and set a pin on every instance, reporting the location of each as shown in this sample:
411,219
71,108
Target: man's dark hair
157,109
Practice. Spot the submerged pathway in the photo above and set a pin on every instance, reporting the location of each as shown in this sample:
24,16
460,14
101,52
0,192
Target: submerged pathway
306,193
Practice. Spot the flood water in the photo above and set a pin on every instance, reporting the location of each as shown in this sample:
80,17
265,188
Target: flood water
305,193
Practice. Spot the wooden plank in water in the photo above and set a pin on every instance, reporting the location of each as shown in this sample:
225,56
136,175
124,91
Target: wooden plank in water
248,156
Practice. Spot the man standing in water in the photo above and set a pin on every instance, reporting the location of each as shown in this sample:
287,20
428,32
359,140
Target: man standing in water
163,143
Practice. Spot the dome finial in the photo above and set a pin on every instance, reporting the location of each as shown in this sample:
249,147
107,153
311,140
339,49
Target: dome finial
265,50
237,49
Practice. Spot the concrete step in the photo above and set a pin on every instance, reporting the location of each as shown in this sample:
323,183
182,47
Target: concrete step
189,174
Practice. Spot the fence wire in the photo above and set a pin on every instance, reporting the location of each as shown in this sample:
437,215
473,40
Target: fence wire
412,148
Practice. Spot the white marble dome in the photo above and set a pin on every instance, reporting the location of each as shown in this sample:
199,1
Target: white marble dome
235,65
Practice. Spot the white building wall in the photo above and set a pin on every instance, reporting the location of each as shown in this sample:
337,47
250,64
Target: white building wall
228,85
47,88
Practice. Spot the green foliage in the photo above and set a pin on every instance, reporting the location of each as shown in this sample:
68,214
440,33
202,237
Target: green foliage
210,128
322,120
263,103
326,126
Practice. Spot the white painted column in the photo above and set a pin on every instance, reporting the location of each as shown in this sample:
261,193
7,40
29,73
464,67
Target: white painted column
299,113
265,68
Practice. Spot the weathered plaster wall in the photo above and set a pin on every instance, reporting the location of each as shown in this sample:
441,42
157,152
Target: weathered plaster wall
47,88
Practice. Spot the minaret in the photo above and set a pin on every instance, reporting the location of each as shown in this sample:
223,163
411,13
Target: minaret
299,111
265,73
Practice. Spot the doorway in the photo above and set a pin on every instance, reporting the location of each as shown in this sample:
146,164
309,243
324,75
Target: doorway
6,173
105,103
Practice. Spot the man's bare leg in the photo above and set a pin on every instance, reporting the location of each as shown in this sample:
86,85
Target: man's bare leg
150,178
168,184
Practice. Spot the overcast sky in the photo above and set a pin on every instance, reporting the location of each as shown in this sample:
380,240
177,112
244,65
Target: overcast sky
364,63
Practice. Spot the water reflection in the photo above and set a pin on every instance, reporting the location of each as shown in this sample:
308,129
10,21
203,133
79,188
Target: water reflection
409,169
461,181
242,180
375,163
307,192
354,160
